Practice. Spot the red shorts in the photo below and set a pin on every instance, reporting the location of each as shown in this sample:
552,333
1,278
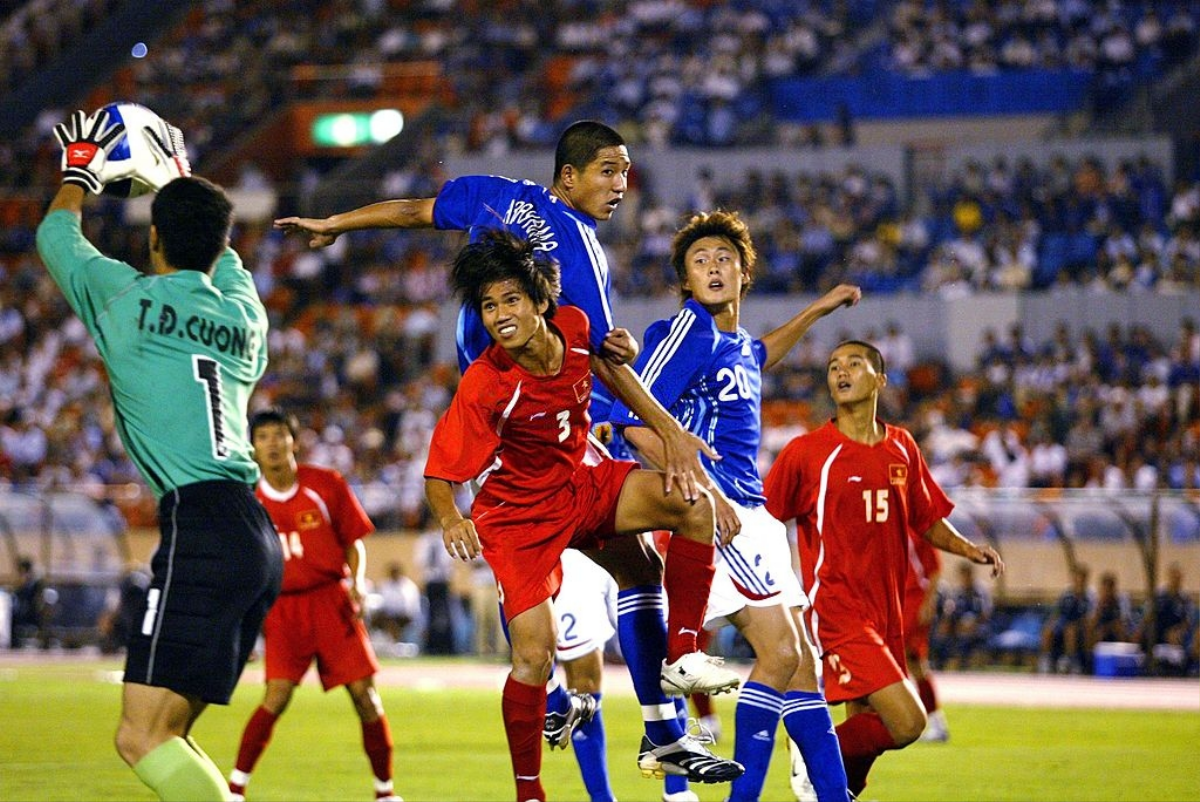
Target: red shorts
523,544
320,625
860,666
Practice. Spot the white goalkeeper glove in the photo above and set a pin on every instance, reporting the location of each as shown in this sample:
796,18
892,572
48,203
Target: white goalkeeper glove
87,142
166,156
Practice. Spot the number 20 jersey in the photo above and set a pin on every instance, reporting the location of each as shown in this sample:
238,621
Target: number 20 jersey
711,382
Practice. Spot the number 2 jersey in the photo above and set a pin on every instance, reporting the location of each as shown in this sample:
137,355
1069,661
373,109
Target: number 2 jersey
183,353
854,505
521,436
318,518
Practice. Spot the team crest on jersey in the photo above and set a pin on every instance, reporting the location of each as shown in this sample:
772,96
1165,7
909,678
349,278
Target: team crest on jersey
583,389
309,519
897,473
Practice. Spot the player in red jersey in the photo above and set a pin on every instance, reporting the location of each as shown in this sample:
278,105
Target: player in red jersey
920,606
318,615
518,425
856,486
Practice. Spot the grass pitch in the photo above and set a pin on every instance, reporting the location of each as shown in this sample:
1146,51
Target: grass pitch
57,720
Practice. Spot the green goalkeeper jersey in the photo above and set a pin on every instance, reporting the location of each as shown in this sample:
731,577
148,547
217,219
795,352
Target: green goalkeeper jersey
183,353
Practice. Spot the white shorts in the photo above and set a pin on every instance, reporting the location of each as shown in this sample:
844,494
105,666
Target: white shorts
754,570
585,608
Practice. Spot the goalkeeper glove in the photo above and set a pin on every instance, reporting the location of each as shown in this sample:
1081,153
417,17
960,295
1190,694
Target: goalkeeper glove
168,156
86,143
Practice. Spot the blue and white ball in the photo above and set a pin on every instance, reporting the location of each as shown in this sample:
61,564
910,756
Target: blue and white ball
132,145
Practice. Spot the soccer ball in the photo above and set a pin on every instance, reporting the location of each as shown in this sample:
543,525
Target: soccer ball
132,145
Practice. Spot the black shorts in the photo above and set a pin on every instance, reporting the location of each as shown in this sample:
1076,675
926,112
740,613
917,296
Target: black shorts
217,571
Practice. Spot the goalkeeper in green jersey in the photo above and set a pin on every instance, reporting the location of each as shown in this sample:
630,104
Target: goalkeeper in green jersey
184,346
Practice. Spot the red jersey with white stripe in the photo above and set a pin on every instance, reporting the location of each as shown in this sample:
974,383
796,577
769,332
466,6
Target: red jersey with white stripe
854,505
521,436
318,518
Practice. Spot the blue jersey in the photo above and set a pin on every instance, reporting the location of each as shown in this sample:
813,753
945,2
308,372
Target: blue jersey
478,203
711,382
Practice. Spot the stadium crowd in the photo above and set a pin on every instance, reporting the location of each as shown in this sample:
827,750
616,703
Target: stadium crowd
640,62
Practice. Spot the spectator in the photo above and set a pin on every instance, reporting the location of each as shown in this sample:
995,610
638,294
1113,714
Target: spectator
485,611
30,606
437,567
125,610
1169,625
1112,617
400,605
963,620
1064,637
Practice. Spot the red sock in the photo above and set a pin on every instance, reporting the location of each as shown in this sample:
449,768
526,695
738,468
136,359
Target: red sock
927,694
377,742
524,709
863,737
687,581
255,739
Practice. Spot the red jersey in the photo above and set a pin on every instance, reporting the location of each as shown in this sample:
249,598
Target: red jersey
521,436
854,505
318,518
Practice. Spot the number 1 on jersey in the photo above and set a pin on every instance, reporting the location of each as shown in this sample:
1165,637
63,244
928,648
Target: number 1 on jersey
208,373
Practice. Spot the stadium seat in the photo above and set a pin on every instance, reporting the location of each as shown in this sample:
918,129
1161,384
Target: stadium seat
1019,640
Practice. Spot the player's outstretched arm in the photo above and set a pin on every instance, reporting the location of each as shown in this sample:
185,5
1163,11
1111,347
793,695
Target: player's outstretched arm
944,536
784,338
458,532
323,231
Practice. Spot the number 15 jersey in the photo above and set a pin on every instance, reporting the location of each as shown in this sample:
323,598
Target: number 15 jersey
854,505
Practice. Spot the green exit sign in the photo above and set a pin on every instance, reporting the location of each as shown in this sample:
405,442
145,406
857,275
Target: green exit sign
356,128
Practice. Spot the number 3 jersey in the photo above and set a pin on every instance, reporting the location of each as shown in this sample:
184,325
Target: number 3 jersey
521,436
318,518
854,505
711,382
183,352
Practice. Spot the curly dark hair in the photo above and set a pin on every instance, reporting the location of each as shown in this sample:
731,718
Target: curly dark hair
499,256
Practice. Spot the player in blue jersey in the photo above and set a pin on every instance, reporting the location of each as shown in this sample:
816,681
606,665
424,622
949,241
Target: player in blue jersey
183,345
707,370
591,169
